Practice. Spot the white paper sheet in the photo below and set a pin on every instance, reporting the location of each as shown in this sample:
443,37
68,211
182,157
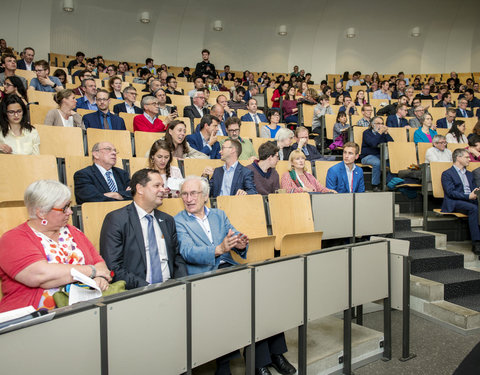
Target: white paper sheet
79,294
17,313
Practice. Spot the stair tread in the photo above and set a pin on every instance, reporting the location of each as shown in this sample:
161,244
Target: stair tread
410,234
471,301
431,253
450,276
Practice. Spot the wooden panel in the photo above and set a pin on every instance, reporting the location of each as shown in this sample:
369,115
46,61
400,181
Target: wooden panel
60,141
128,118
398,134
10,217
436,170
144,142
422,149
401,155
197,166
321,169
38,113
119,138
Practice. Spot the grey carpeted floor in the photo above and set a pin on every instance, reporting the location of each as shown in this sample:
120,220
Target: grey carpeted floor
439,350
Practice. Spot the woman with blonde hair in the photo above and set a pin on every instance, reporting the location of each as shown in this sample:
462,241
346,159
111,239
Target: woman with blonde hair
65,114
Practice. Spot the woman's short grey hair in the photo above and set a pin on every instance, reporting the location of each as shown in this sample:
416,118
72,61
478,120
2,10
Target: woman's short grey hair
282,134
205,186
43,195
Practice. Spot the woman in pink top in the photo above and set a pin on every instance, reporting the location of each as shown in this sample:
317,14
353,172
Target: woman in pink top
298,180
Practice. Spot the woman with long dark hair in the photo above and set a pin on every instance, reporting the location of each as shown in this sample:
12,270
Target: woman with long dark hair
160,158
13,85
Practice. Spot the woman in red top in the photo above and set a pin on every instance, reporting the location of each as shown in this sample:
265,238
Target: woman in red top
149,122
36,257
280,91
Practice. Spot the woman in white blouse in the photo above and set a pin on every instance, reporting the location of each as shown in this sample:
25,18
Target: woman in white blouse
65,114
456,134
17,136
160,158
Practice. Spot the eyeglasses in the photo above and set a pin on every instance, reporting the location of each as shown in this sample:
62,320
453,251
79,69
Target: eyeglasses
109,149
64,209
224,147
6,84
154,103
233,130
131,93
15,113
193,194
103,99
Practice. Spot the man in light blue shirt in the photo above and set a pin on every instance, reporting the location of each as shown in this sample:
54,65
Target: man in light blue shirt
43,82
383,93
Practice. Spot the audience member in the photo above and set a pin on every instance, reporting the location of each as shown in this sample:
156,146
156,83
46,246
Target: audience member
398,120
44,82
472,101
233,125
460,194
88,101
205,137
251,92
128,105
446,101
176,139
340,129
238,102
115,88
102,181
391,109
227,111
9,63
14,86
339,91
61,75
474,149
103,118
26,63
278,93
271,129
198,83
439,150
139,242
149,66
186,73
376,134
232,178
65,114
205,68
447,121
31,267
143,76
383,92
301,143
284,140
196,110
77,63
456,134
425,133
418,113
348,106
289,106
346,177
148,121
355,81
298,180
320,110
160,158
360,99
163,108
172,86
425,94
400,89
17,135
462,110
367,111
265,176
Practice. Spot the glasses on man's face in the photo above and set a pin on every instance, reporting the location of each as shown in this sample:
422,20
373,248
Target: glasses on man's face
234,130
64,209
131,93
193,194
15,113
154,103
102,99
109,149
378,123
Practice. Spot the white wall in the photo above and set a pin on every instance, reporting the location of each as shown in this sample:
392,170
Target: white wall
315,41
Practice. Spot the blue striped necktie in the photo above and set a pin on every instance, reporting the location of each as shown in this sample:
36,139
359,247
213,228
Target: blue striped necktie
110,182
155,264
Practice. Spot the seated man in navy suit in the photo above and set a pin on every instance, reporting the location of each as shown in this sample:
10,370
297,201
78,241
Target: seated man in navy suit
447,121
460,193
103,118
89,87
252,114
301,142
346,177
233,178
472,101
227,111
27,62
130,233
398,120
102,181
205,138
462,110
206,239
251,92
129,95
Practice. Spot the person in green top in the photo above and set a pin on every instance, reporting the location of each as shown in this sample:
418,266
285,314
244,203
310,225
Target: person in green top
233,125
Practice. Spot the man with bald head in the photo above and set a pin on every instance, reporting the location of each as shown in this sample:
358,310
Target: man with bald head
102,182
218,111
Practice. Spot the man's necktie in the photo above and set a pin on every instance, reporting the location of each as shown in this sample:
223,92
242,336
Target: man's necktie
105,122
155,264
110,182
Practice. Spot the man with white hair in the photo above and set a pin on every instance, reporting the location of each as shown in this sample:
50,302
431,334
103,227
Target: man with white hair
439,151
196,110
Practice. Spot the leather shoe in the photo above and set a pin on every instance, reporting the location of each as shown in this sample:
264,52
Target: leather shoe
262,371
281,364
376,188
476,247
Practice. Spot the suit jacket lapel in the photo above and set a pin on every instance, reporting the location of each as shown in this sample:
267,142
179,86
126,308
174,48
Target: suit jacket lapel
345,177
137,229
235,178
197,229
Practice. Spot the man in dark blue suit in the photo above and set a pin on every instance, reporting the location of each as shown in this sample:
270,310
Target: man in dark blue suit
460,193
252,114
462,110
233,178
227,111
102,182
205,137
251,92
89,88
447,121
346,177
398,120
128,106
103,118
27,62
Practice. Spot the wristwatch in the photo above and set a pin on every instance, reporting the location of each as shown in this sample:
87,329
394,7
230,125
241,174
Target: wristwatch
54,85
94,271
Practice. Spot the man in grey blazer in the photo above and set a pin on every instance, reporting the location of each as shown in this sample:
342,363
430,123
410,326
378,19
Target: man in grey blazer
138,242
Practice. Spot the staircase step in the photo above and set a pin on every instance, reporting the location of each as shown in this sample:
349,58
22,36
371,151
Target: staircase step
426,290
417,240
402,224
440,238
457,282
425,260
456,315
471,302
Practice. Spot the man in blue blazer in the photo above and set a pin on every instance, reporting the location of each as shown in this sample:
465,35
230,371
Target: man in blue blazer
102,182
252,114
398,120
251,92
124,240
205,137
103,118
129,95
89,88
462,110
346,177
207,239
460,193
27,62
447,121
233,178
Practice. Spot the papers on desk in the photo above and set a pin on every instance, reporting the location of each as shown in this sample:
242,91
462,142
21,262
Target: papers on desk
78,293
17,313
